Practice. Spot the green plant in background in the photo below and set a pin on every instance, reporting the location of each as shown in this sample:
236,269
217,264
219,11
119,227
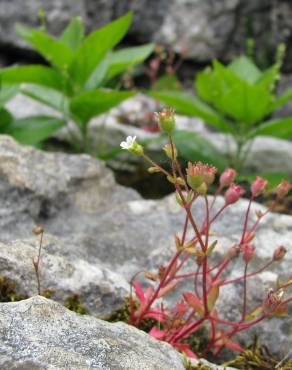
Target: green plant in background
76,81
239,100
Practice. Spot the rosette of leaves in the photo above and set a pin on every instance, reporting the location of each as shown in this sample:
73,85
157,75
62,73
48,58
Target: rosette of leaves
238,99
79,80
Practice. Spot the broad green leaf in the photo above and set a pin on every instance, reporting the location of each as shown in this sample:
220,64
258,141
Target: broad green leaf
92,103
281,128
193,147
269,78
167,82
73,34
120,60
245,69
246,103
189,105
7,92
95,47
54,51
213,84
36,74
97,76
5,119
32,130
48,96
282,99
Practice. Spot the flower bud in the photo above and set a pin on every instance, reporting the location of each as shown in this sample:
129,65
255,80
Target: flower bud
248,252
166,120
279,253
272,300
153,169
209,174
194,175
202,189
227,177
283,189
37,230
233,252
170,151
233,193
258,186
179,199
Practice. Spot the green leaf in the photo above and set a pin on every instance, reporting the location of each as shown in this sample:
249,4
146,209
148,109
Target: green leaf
54,51
97,76
73,34
7,92
95,47
191,106
5,119
32,130
48,96
282,99
120,60
193,147
269,78
246,103
36,74
92,103
281,128
245,69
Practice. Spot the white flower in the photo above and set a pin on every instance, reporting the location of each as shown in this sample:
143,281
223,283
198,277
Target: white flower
129,143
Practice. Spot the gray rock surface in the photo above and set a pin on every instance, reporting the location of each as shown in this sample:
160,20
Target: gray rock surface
207,28
98,289
40,334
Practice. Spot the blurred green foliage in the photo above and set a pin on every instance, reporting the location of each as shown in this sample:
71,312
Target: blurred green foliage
76,81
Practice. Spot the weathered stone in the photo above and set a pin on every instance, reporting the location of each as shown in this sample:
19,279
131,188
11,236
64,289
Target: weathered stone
40,334
99,290
57,13
209,29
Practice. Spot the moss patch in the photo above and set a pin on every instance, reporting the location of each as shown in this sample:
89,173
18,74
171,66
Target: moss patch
8,291
74,303
258,357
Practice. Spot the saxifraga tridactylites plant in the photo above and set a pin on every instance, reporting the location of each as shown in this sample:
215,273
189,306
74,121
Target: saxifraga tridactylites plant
197,307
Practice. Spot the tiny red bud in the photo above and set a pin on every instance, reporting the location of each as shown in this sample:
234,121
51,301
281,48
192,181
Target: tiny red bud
228,177
233,193
248,252
279,253
258,186
283,189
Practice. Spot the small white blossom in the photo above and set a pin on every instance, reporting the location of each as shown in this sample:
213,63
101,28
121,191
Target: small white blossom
129,143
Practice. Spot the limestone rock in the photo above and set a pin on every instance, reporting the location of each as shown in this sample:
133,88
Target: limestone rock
40,334
99,290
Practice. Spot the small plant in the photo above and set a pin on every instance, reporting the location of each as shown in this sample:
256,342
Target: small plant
80,81
196,308
38,230
238,100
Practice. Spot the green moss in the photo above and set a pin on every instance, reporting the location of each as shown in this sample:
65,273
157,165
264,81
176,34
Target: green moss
73,303
8,291
258,357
